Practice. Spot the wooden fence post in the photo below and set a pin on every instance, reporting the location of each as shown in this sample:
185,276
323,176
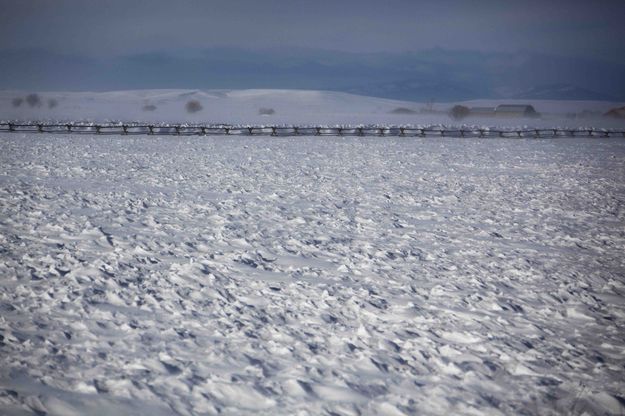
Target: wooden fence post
361,131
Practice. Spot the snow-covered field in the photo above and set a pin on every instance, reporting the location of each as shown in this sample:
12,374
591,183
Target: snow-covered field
289,107
338,276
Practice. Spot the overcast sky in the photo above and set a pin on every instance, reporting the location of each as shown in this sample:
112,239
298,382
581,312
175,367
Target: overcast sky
87,27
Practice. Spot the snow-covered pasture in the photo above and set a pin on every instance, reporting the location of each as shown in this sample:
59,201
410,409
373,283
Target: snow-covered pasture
290,107
308,275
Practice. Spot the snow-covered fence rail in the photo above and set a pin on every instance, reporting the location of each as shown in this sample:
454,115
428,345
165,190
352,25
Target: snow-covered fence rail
230,130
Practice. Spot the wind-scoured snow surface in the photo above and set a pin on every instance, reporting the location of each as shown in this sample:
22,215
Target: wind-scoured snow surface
307,275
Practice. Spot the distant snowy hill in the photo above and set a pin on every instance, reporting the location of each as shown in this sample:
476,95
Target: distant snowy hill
283,106
217,106
563,92
425,90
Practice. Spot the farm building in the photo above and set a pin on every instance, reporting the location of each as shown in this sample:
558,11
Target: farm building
515,110
616,113
482,111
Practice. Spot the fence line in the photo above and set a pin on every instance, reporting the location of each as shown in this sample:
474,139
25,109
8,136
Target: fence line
229,130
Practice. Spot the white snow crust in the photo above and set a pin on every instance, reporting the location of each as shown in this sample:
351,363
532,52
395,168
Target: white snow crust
311,275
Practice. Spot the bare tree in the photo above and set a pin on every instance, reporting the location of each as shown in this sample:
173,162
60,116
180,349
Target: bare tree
152,107
33,100
459,112
17,101
52,103
266,111
193,106
429,105
402,110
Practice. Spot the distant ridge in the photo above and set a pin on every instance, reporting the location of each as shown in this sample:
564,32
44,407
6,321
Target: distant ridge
430,75
563,92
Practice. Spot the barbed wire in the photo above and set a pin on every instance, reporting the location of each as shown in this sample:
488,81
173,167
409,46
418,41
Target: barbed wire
232,130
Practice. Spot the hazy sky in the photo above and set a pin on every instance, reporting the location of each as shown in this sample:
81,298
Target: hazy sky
566,27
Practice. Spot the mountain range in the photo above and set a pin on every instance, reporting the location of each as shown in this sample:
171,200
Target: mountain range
438,75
